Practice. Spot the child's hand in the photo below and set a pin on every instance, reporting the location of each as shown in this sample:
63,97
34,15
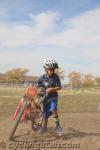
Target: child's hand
49,90
41,91
54,89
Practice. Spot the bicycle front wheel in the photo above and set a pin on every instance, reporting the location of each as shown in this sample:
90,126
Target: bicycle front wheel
17,120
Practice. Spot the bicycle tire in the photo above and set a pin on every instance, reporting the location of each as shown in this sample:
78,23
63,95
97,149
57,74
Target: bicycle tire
17,120
37,119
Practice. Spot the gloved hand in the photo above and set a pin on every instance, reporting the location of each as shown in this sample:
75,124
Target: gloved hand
41,92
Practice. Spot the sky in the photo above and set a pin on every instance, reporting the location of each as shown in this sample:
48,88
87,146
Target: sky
65,30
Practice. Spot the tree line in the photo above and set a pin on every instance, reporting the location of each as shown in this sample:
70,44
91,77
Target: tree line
75,79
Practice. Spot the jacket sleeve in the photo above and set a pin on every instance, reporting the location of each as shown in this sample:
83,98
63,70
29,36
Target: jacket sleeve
40,83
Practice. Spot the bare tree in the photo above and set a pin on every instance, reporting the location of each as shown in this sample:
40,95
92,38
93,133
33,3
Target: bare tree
75,79
16,73
97,81
87,80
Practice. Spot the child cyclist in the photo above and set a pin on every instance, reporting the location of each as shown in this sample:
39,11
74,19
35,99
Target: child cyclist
51,83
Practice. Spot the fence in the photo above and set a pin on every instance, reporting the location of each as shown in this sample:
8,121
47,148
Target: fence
14,83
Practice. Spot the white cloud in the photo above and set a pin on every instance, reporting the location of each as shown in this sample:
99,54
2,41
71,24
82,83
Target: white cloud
88,25
79,35
84,31
16,35
44,21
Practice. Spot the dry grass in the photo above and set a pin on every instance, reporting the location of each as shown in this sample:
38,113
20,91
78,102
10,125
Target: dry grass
78,115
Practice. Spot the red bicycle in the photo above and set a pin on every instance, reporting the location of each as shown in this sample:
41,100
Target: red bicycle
28,108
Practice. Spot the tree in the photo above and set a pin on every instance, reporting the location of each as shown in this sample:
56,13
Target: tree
16,73
75,79
97,80
87,80
60,73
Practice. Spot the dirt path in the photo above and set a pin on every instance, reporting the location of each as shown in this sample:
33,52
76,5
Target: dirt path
81,132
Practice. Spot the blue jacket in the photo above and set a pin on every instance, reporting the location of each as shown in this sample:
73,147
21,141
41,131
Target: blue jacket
49,82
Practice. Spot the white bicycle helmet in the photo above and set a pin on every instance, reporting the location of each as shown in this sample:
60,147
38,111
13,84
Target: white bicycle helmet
50,63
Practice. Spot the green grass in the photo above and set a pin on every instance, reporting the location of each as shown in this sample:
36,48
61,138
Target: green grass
79,102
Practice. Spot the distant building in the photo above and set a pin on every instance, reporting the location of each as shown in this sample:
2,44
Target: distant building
30,79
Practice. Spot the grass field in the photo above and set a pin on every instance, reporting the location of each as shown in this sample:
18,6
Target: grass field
78,113
68,101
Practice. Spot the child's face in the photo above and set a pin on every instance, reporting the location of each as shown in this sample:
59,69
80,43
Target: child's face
50,72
